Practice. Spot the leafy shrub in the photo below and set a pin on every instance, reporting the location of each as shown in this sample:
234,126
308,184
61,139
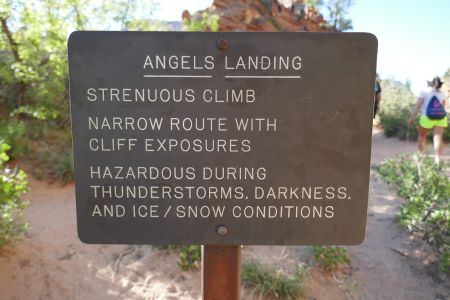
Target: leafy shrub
13,183
40,112
427,212
62,166
331,257
444,261
52,161
13,133
273,283
189,256
397,103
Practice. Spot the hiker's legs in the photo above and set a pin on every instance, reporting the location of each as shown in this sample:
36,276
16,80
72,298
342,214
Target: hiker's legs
438,143
422,138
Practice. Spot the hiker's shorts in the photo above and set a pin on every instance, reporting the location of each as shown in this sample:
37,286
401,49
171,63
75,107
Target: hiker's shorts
427,123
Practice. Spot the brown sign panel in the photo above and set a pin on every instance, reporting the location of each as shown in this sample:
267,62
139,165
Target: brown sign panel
261,138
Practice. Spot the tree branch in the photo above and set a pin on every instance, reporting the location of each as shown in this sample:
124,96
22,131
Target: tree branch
78,17
22,86
11,41
125,15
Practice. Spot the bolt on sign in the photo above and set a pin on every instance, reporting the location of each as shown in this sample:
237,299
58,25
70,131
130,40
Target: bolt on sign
221,138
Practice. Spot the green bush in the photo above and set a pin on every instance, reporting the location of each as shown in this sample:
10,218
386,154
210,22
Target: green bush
427,212
13,184
273,283
397,103
13,133
331,257
189,256
444,261
61,165
41,113
52,161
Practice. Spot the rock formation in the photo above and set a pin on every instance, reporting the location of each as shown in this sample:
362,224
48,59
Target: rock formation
264,15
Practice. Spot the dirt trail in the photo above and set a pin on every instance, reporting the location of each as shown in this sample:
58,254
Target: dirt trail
51,263
390,264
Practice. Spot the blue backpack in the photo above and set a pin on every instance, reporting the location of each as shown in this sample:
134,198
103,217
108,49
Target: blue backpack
435,110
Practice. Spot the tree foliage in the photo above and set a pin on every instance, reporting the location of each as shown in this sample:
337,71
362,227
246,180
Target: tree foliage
34,71
337,11
446,86
397,103
33,47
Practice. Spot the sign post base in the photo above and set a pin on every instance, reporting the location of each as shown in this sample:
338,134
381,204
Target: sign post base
221,272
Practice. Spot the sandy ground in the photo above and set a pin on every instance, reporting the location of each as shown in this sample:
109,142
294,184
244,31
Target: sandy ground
51,263
391,264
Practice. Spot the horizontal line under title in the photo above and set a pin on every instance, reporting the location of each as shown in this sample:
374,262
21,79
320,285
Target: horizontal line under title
226,76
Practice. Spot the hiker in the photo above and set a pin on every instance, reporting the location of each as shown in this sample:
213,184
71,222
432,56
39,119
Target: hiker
377,97
433,116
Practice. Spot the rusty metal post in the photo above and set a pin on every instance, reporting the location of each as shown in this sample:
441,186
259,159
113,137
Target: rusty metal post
221,272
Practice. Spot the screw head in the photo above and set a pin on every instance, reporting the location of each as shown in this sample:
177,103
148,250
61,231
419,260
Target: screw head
222,230
222,44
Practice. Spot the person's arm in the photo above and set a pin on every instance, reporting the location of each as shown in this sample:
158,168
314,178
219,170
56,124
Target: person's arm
378,97
416,110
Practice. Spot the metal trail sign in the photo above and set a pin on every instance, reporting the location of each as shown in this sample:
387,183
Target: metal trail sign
221,138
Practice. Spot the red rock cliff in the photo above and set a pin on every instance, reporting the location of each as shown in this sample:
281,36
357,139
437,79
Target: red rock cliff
264,15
